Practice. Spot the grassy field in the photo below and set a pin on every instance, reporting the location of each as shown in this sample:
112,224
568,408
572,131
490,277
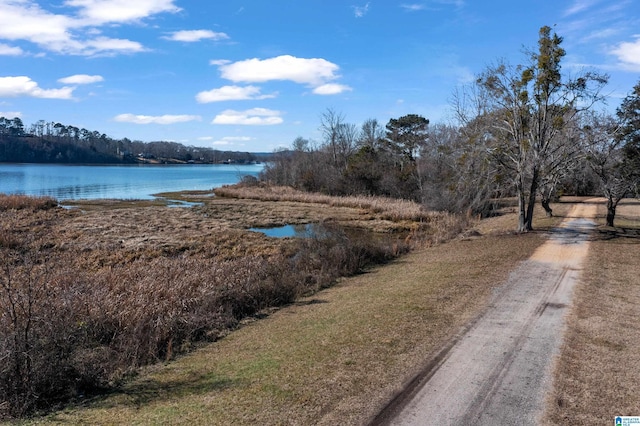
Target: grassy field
334,358
597,372
339,356
90,294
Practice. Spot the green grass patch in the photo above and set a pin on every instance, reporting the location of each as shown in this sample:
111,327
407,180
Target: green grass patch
333,358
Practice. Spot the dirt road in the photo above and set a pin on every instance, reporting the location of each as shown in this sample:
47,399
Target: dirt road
498,370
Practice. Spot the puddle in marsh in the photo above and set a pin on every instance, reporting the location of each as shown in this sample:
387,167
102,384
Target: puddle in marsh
289,231
182,203
324,231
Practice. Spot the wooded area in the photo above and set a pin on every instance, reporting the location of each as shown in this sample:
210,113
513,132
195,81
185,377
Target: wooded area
50,142
526,131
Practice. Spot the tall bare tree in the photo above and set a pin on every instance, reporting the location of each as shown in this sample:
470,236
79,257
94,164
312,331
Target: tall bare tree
371,134
614,151
534,104
330,125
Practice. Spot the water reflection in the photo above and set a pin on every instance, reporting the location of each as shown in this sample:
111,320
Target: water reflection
289,231
116,181
182,203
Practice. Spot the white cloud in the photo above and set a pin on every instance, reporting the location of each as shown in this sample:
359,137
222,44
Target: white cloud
23,20
160,119
237,138
231,93
97,12
360,11
413,7
252,117
314,71
579,6
105,45
12,87
331,89
77,34
81,79
600,34
628,54
225,141
6,50
231,140
10,114
218,62
463,74
196,35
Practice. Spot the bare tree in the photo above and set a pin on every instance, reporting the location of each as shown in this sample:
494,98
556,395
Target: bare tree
614,151
346,142
371,134
564,155
606,158
534,104
330,124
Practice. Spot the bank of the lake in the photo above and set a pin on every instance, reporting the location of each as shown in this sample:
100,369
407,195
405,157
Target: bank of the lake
73,182
133,282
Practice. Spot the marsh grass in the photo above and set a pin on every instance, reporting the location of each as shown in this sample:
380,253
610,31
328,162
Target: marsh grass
89,296
334,357
387,208
380,214
111,204
20,202
337,356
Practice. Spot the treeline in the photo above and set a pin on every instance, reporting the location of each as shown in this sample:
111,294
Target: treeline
523,131
438,166
444,167
50,142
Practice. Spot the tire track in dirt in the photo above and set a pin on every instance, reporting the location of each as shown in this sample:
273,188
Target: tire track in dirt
498,370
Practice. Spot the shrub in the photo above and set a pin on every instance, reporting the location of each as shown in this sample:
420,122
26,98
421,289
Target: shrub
66,332
19,202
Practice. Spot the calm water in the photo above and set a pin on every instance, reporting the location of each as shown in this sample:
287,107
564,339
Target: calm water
73,182
301,231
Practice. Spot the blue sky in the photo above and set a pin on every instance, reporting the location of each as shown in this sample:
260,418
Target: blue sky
252,75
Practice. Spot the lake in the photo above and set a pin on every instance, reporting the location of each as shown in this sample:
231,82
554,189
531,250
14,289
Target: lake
73,182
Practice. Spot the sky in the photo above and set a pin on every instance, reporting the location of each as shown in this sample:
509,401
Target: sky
252,75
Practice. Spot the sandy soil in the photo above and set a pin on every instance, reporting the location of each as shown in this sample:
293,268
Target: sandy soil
499,369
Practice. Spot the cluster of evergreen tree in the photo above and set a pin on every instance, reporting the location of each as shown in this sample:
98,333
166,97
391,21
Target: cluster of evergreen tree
50,142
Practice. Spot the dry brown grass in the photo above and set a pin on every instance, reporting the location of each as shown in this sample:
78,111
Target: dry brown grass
20,202
285,205
386,208
109,286
333,358
597,371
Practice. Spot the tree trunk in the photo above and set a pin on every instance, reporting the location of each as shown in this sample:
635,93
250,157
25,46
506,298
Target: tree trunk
611,211
532,200
521,206
546,207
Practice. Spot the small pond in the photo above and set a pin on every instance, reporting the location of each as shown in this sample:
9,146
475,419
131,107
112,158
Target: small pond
182,203
323,231
299,231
